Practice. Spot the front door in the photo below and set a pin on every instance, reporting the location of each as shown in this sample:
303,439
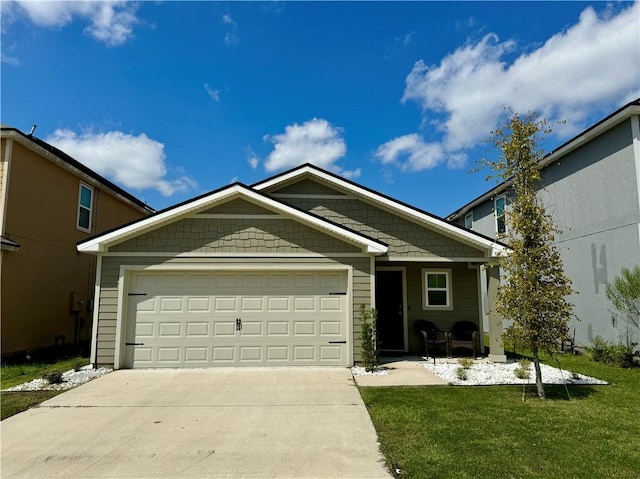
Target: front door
389,303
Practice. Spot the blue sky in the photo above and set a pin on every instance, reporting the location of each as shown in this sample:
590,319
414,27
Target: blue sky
173,99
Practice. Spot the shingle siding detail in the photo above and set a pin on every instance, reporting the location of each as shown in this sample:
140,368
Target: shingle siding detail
404,237
235,236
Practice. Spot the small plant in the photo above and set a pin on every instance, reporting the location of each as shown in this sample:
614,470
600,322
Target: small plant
521,373
465,363
575,376
78,366
524,364
462,374
368,338
609,353
54,377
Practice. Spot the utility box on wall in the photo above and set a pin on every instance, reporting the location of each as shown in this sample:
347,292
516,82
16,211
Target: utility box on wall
77,301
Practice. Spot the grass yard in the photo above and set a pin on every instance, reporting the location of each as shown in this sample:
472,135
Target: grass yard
11,375
489,432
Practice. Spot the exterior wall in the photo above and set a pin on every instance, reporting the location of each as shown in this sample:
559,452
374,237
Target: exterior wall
465,297
37,280
110,271
235,235
592,195
403,237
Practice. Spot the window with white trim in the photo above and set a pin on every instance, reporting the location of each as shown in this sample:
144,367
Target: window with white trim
85,207
436,289
468,220
500,211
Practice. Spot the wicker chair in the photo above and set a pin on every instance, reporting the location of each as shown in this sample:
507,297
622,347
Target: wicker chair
464,335
431,337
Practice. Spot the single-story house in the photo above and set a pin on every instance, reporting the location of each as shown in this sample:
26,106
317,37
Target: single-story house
275,273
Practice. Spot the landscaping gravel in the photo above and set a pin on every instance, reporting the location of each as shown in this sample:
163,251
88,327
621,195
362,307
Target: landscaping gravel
70,379
488,373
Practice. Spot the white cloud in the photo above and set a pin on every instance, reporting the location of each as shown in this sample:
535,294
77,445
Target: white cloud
215,94
135,162
231,34
411,153
587,68
111,22
315,141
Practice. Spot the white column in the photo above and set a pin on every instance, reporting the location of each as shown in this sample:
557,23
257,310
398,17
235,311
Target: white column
496,347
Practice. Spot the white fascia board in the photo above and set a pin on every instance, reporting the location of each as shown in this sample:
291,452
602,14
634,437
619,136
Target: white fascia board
101,243
490,246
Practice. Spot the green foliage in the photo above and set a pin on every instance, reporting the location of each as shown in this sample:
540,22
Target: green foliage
462,374
465,363
368,338
54,377
624,294
534,295
620,355
15,402
14,374
521,373
524,363
488,432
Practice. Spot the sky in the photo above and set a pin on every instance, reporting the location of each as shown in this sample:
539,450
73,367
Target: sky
170,100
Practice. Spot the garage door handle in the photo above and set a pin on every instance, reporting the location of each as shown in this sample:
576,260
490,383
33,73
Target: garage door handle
134,344
337,342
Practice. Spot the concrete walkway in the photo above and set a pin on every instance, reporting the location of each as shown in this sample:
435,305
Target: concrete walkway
405,371
205,423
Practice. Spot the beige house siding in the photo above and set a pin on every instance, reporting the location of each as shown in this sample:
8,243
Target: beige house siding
38,280
107,304
404,237
231,235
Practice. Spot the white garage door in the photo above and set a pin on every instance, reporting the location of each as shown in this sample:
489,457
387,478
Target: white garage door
233,319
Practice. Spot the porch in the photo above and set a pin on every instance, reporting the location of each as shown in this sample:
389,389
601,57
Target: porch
444,294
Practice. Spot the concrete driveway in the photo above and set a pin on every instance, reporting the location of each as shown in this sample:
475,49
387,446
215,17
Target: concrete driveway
207,423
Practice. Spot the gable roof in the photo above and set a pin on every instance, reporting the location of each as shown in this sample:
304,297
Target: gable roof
65,161
398,207
624,113
101,242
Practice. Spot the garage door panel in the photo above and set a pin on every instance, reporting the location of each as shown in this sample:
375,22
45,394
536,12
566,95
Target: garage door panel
190,319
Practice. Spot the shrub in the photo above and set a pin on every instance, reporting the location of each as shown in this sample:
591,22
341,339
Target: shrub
610,353
368,338
54,377
462,374
465,363
524,364
521,373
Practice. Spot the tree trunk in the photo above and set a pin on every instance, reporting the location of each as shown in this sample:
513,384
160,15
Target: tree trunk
536,363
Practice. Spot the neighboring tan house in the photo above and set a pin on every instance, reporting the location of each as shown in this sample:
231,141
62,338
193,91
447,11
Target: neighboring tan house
49,202
275,273
591,187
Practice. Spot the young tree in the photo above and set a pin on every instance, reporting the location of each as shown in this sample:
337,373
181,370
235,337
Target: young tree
624,294
534,294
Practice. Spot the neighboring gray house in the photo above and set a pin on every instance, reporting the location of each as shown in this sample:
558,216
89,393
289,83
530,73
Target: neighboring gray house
591,187
275,273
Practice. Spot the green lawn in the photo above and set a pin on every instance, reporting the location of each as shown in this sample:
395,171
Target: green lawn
489,432
11,375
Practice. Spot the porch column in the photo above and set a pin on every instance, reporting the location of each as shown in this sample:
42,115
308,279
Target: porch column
496,347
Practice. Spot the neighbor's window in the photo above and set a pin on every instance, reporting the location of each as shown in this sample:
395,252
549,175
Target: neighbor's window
500,208
436,291
468,220
85,202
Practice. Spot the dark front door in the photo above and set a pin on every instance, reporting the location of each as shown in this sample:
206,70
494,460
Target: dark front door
389,303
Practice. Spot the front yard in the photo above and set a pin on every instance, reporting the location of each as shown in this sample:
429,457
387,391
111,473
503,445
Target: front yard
489,432
11,375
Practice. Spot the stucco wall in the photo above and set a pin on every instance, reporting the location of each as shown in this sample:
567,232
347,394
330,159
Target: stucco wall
592,194
37,280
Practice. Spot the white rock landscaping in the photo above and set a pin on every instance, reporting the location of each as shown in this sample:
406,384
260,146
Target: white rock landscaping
70,379
485,373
